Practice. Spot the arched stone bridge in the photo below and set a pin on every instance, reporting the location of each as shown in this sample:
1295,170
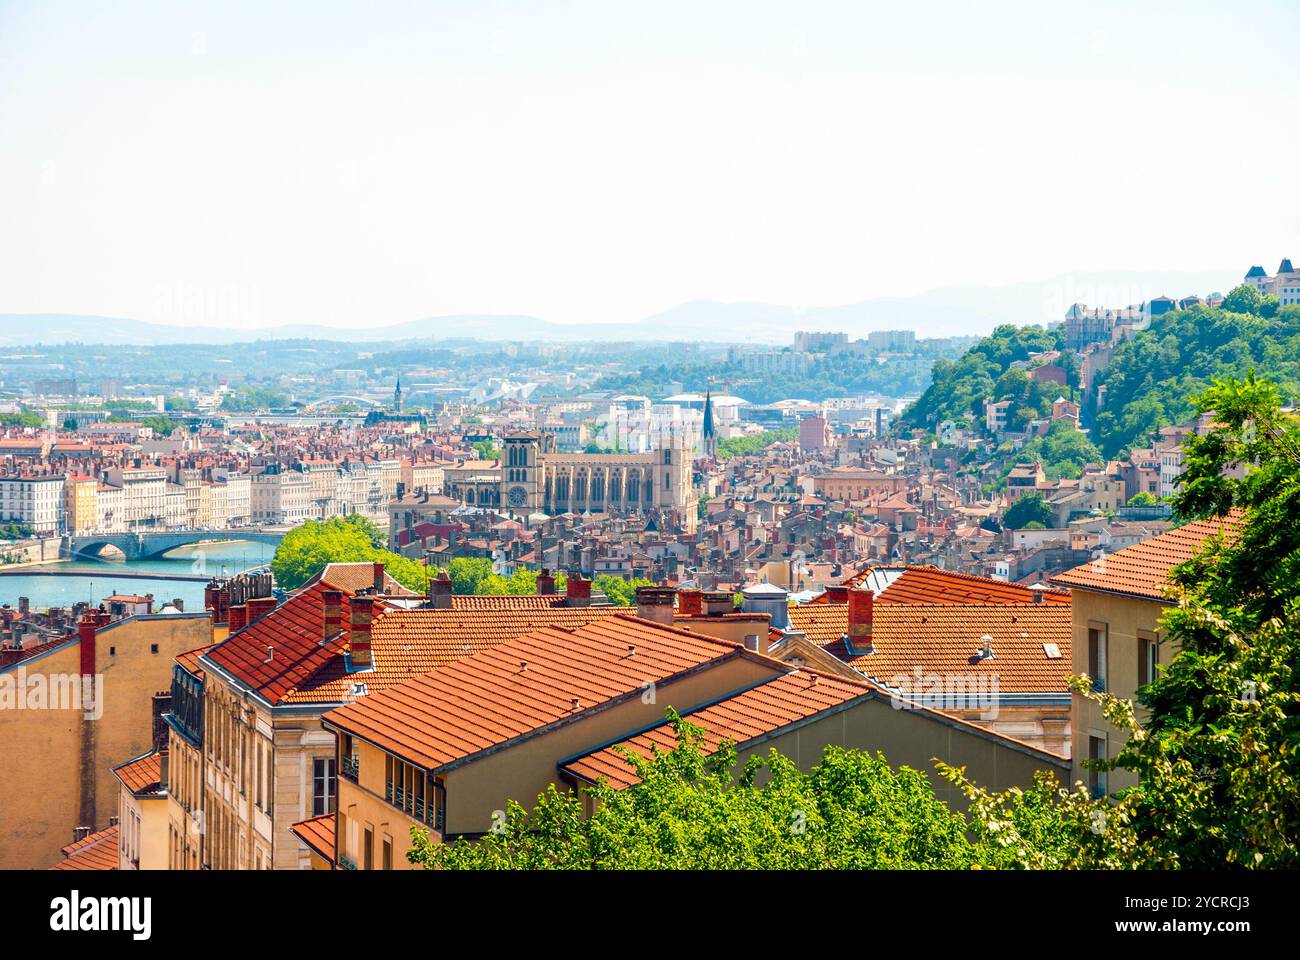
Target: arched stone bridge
153,543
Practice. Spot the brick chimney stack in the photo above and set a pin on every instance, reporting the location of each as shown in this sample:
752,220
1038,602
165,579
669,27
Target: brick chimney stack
236,617
545,583
86,634
690,602
578,591
837,594
258,607
655,603
378,568
440,591
359,630
332,604
861,607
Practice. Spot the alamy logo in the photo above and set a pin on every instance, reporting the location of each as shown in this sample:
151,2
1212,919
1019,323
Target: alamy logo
20,690
76,913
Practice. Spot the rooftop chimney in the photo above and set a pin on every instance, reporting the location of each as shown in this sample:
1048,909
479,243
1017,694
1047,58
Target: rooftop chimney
86,634
332,603
440,591
716,603
545,583
258,607
861,606
236,617
378,568
1037,592
359,632
690,603
578,591
655,603
838,593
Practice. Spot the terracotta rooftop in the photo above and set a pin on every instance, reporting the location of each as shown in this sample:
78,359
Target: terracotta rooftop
407,643
942,639
143,775
909,584
95,852
516,689
284,648
318,834
1142,570
351,577
784,700
190,660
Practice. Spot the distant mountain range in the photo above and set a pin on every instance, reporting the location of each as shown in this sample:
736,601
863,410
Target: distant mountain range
942,312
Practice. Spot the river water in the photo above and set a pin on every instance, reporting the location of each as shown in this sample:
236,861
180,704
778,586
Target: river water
51,585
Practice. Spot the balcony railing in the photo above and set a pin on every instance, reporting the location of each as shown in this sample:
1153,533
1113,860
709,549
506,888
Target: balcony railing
351,767
346,862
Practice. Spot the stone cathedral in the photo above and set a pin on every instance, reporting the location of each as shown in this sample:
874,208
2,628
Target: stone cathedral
532,477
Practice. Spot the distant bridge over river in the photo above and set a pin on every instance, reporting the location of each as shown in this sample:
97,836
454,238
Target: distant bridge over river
148,544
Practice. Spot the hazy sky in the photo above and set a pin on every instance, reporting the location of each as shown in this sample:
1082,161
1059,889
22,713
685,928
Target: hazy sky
371,163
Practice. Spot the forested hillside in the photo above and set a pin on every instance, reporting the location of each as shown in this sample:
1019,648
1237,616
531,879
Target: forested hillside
958,388
1152,378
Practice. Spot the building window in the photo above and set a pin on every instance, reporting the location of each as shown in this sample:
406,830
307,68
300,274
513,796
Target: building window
1148,657
388,852
1097,656
1097,778
368,853
324,786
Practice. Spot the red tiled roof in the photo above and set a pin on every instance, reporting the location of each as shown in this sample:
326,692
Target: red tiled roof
407,643
1142,570
143,775
932,585
942,639
351,577
491,698
189,660
759,711
95,852
318,834
283,648
487,602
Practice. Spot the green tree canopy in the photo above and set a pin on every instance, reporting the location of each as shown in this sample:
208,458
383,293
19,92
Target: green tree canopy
621,593
308,548
1029,508
1154,378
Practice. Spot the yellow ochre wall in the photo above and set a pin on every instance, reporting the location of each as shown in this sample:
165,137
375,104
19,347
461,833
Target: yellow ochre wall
1122,617
41,751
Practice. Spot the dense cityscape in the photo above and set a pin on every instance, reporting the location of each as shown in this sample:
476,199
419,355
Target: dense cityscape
692,444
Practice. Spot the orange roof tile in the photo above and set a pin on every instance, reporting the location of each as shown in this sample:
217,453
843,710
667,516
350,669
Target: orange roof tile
784,700
1142,570
515,689
283,648
189,660
95,852
351,577
908,584
143,775
407,643
317,833
942,639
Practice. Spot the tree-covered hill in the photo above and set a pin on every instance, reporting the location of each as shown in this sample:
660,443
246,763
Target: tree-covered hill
958,388
1153,378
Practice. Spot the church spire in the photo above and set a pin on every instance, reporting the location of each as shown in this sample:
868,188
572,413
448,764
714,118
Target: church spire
397,395
710,431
